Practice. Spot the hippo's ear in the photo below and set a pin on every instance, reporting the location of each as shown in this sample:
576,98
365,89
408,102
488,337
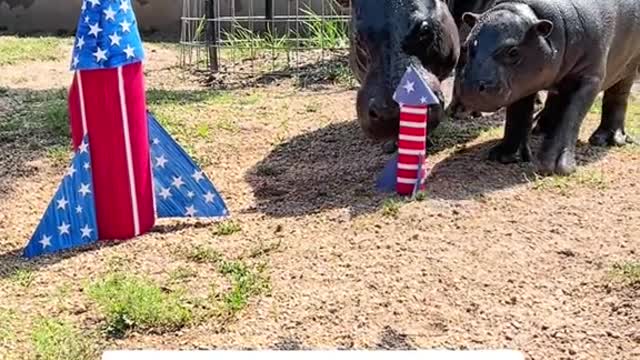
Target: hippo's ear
470,19
543,27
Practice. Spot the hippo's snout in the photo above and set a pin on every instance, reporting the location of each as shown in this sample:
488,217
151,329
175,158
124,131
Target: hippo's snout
378,115
485,95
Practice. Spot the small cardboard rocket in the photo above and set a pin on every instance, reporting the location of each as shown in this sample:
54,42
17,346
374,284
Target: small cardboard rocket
405,172
127,171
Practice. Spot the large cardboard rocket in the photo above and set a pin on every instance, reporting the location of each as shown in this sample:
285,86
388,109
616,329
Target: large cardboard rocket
127,171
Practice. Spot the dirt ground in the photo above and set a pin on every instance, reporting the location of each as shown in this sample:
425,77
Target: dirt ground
493,257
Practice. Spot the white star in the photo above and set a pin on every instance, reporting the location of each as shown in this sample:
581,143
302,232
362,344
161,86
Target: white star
423,100
165,193
129,51
156,141
191,194
197,175
83,147
87,166
161,161
124,6
86,231
115,39
94,2
95,29
126,26
78,209
62,203
191,211
71,171
76,61
177,182
84,189
45,241
80,43
64,229
208,197
110,14
100,55
84,6
86,19
409,86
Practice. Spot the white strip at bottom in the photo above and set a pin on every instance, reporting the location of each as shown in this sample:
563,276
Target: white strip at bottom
316,355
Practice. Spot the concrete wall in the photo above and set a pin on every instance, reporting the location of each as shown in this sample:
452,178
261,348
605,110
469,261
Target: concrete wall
26,16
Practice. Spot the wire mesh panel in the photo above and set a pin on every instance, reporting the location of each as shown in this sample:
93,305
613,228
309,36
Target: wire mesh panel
262,36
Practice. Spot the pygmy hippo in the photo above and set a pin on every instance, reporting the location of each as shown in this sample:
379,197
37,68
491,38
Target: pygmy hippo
386,37
572,48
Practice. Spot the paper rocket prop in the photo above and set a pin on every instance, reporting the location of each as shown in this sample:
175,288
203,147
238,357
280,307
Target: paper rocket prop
405,172
127,171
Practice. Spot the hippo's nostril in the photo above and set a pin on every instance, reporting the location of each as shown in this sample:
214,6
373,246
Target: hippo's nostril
373,115
482,87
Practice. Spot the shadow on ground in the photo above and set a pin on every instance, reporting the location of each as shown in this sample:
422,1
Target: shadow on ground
467,174
335,167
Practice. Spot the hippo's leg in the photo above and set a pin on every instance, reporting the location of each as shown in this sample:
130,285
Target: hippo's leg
516,133
557,155
614,107
547,118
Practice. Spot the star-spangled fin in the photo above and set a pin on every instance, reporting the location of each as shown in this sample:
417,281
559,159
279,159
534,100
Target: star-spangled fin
387,179
413,90
181,187
107,36
70,218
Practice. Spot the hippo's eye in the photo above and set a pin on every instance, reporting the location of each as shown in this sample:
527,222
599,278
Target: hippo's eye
510,55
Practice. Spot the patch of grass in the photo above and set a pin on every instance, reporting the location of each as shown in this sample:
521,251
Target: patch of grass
391,207
129,302
202,254
451,133
181,273
628,272
325,33
40,117
17,50
58,340
157,97
8,319
23,277
245,283
587,178
59,154
421,196
227,228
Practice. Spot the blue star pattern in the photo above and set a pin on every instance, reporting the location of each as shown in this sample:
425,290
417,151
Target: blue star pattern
70,218
181,187
413,90
106,36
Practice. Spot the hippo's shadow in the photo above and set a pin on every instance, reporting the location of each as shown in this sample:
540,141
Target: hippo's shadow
468,173
334,167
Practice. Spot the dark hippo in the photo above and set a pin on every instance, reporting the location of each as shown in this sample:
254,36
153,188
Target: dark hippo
387,36
572,48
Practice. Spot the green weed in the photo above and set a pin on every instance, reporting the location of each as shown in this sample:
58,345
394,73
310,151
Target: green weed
202,254
130,302
562,184
391,207
57,340
23,277
627,271
227,228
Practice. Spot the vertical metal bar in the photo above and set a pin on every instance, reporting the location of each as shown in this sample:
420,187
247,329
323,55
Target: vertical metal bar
212,37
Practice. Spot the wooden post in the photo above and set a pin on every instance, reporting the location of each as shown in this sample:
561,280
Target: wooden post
212,36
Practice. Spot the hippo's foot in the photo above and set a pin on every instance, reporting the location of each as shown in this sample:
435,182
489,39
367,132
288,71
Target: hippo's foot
553,163
607,137
505,154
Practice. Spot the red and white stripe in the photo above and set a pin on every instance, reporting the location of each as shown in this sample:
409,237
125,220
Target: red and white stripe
411,148
110,106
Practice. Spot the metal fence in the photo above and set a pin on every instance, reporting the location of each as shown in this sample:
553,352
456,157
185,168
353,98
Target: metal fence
262,36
